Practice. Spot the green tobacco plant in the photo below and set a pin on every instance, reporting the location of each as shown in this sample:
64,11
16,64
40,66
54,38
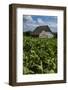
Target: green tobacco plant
40,55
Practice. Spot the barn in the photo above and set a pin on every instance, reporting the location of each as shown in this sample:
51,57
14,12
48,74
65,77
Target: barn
42,32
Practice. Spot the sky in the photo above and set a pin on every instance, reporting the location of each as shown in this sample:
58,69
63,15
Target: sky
30,22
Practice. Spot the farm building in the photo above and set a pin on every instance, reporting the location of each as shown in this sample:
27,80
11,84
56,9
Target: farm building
43,32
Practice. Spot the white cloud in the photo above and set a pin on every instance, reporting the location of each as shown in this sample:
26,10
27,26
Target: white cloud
29,23
28,18
40,21
29,26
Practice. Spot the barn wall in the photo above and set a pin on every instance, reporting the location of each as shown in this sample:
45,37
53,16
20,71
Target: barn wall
44,34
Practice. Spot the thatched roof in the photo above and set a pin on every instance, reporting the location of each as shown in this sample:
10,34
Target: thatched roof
39,29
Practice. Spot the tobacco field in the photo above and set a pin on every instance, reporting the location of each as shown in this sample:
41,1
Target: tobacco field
39,55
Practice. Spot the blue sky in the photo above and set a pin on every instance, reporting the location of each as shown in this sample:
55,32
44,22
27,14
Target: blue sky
30,22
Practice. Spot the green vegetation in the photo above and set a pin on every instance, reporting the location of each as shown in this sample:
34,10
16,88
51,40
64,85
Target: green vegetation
40,55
